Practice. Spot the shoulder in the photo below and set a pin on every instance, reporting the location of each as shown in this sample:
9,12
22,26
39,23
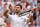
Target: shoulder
24,17
10,15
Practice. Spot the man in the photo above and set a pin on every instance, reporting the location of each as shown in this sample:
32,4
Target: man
16,20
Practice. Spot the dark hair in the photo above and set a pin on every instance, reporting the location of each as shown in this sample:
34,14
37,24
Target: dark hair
38,1
19,5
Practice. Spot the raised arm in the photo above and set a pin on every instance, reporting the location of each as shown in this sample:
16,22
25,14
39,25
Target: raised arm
5,13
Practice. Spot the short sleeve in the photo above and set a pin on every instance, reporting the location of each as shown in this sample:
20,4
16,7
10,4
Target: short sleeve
25,18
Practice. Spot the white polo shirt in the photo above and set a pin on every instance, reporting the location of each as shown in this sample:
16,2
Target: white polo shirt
17,21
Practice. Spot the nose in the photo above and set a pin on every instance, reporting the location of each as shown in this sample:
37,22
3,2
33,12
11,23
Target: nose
16,10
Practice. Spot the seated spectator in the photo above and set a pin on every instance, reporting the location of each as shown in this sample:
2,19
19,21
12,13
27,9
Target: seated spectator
35,14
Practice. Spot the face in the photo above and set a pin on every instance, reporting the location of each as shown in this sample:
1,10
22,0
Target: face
17,9
38,5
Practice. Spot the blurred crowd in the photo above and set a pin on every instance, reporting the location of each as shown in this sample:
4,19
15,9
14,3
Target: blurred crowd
28,6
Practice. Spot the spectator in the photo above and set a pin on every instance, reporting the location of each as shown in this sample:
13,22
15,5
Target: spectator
34,2
27,4
35,14
30,7
1,6
24,5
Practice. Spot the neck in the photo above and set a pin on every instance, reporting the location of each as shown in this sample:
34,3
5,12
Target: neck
17,13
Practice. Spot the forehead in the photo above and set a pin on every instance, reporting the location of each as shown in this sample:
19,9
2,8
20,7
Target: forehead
17,6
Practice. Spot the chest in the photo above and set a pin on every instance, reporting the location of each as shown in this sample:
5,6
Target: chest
17,19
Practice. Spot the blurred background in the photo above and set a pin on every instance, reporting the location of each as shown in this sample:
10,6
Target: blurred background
27,7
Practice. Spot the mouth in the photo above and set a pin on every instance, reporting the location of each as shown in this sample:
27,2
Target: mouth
16,11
